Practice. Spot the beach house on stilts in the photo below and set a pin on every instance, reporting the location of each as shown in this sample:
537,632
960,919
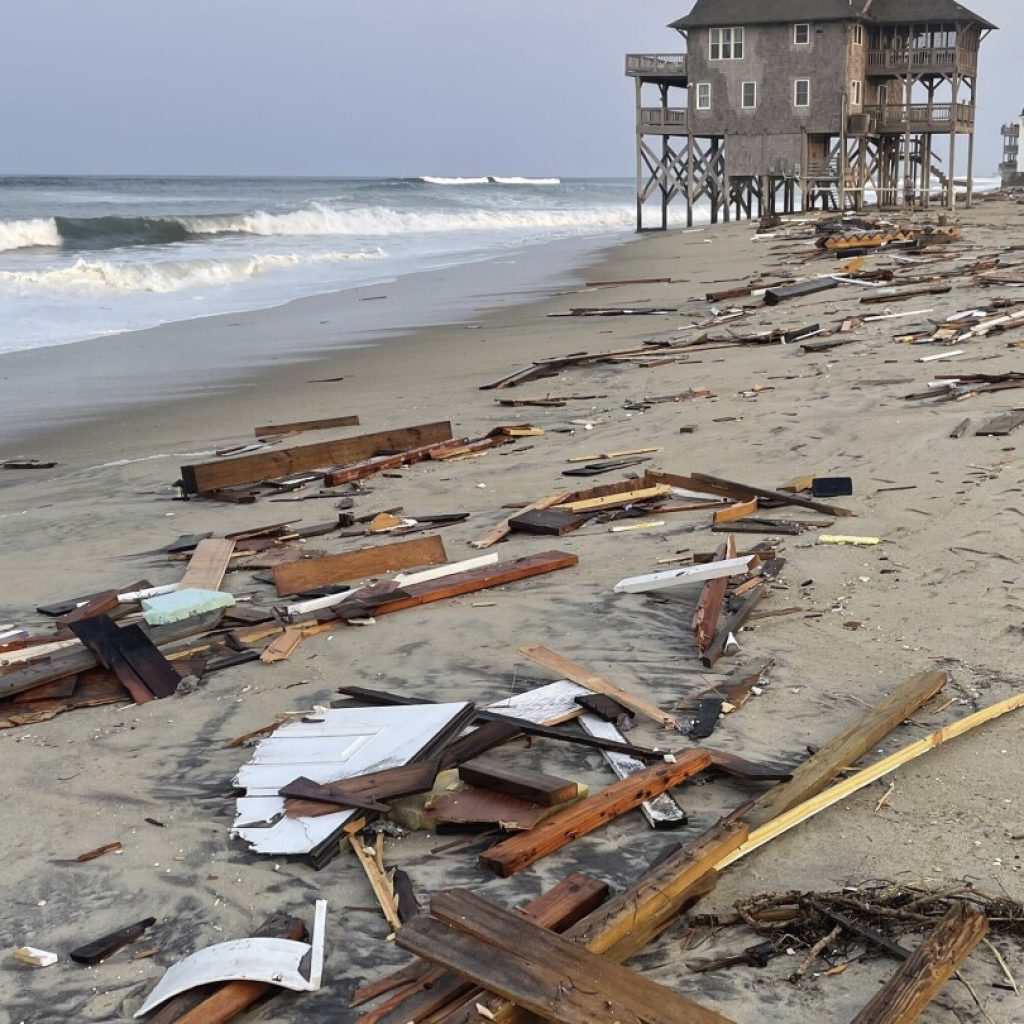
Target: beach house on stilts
782,105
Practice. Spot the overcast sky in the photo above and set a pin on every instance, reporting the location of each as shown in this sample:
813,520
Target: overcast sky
393,87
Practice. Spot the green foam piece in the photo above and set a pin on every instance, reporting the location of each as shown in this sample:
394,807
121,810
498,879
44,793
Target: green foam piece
183,604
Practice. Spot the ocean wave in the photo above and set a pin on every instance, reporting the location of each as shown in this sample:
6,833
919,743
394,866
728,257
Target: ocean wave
431,179
28,234
96,276
527,181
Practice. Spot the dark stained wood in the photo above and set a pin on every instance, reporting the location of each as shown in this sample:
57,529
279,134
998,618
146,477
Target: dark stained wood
405,895
552,522
81,659
712,597
749,491
752,771
541,788
455,586
99,949
144,672
541,972
273,429
1001,426
483,738
377,464
307,573
732,624
367,791
469,809
519,852
67,607
921,976
102,604
847,748
558,908
214,476
520,725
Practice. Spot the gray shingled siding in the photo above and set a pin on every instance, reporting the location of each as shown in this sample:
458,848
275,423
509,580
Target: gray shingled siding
773,60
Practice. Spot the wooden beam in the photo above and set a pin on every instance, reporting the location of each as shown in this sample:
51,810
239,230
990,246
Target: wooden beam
619,499
519,852
308,573
524,783
206,567
566,669
558,908
377,464
921,976
379,882
541,972
749,491
503,529
213,476
273,429
847,748
452,586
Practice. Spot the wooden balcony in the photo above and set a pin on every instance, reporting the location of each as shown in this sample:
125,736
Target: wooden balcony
1011,130
940,60
664,68
663,121
923,117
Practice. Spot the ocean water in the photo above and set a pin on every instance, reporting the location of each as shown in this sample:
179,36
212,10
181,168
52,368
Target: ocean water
84,257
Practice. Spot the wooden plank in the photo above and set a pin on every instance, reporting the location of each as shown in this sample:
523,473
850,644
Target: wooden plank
501,531
206,567
379,882
369,790
379,463
283,647
632,497
734,512
300,426
77,658
921,976
732,625
783,497
99,949
551,522
213,476
712,598
519,852
468,808
454,586
308,573
559,908
138,665
847,748
538,970
566,669
539,787
102,604
1001,426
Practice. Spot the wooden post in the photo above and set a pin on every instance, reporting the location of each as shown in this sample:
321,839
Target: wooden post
639,160
951,169
927,969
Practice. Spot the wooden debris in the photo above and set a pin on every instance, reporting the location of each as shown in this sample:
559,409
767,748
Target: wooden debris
379,882
283,647
539,971
207,565
100,949
904,997
216,476
642,494
32,956
513,855
301,426
1001,426
296,577
551,522
100,851
502,530
538,787
566,669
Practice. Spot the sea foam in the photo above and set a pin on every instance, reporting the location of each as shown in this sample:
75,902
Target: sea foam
28,234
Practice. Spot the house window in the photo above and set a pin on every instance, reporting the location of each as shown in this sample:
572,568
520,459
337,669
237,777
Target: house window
802,92
856,93
726,44
703,95
801,34
749,95
858,35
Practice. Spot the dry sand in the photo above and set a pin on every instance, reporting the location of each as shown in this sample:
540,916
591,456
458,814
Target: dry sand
101,519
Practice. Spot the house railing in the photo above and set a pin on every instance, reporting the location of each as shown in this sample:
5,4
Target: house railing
899,60
894,116
661,118
1011,130
656,65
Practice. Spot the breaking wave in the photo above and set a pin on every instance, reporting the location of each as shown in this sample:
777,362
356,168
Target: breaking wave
434,180
91,276
94,233
490,180
28,234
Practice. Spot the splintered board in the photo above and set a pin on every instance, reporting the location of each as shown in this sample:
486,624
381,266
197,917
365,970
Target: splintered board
274,429
213,476
308,573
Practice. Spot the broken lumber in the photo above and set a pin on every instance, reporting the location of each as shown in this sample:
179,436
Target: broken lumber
566,669
519,852
206,567
524,783
847,748
99,949
746,491
300,426
538,970
503,529
921,976
309,573
214,476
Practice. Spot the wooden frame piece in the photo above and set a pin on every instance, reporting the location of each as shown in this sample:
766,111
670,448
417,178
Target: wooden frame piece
276,429
249,469
519,852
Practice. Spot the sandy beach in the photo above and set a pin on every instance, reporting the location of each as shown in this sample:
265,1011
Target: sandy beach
940,592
